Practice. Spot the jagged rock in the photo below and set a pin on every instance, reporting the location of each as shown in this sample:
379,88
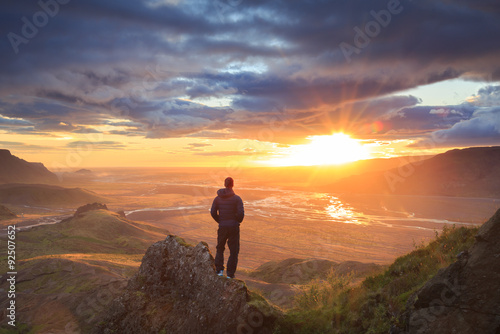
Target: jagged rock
122,214
90,207
464,297
178,291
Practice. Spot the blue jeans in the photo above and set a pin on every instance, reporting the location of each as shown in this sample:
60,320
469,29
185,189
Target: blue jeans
231,235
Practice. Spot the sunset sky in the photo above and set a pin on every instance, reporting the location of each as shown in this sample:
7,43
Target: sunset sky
247,82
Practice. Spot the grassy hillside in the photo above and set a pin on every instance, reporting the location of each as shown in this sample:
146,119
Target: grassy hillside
334,305
300,271
69,272
46,195
98,231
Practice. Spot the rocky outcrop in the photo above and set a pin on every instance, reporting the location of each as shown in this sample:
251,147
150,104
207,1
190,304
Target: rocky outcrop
178,291
464,297
90,207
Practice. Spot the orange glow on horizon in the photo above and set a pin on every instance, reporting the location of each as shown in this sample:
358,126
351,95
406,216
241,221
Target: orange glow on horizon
335,149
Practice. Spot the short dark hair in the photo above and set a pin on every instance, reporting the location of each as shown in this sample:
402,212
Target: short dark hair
228,182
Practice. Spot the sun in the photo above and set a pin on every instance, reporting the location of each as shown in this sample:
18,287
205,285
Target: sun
334,149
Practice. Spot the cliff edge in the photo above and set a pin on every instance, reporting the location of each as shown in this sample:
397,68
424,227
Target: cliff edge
178,291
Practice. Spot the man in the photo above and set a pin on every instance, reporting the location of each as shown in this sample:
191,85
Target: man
227,210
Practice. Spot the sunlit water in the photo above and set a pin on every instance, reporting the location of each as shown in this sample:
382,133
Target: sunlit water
306,206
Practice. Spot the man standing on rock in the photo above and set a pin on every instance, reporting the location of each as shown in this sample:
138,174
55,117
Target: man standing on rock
227,210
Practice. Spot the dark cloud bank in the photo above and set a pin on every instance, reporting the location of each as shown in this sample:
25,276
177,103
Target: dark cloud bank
297,68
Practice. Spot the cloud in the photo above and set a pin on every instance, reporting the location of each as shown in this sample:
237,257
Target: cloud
172,118
473,123
96,145
486,97
197,147
85,130
13,121
45,115
227,153
266,70
14,147
482,129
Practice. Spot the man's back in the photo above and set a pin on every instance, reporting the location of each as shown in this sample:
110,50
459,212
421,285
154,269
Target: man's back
227,208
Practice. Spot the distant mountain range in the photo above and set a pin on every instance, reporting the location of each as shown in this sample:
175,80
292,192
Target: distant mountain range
16,170
471,172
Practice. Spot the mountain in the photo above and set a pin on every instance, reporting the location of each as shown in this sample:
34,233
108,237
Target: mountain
84,171
177,290
16,170
5,213
311,177
471,172
68,273
46,195
464,297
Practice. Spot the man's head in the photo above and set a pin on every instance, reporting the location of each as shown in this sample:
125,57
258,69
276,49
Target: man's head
228,182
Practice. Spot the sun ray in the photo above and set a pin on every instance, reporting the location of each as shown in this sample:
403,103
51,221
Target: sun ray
337,148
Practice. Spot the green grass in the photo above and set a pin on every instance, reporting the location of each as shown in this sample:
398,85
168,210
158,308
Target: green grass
335,305
20,328
97,231
182,242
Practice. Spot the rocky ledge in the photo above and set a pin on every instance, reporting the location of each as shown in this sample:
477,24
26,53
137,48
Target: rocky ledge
178,291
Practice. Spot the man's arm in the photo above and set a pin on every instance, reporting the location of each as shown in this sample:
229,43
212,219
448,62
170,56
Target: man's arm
240,210
214,211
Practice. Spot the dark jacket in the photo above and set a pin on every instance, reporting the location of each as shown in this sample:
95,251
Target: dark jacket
227,208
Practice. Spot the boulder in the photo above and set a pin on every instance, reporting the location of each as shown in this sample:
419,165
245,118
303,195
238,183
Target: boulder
178,291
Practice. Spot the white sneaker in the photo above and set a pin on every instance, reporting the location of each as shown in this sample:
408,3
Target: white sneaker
220,273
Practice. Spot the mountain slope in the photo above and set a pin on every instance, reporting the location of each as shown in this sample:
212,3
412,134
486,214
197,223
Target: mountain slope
14,169
96,231
300,271
69,272
471,172
6,213
46,195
